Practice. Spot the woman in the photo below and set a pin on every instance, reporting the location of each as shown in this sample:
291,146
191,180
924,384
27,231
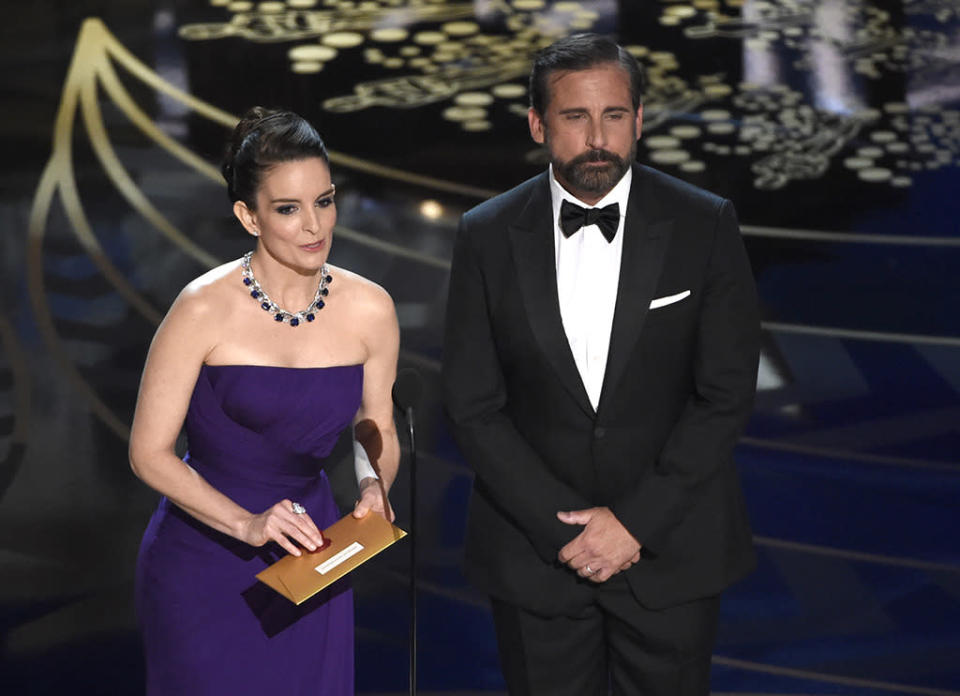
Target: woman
264,391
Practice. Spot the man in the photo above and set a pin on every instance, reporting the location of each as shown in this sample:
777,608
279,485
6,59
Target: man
600,362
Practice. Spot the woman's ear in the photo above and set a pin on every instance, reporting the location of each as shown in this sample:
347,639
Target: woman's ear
247,218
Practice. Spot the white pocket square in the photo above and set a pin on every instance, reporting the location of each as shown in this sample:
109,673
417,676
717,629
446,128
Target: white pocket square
669,299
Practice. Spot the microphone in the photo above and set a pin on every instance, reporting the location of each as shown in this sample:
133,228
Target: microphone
407,390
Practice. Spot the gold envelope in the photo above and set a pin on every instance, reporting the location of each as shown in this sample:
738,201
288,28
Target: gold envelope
352,542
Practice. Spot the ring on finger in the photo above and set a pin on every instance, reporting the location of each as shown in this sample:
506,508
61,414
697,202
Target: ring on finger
590,571
298,509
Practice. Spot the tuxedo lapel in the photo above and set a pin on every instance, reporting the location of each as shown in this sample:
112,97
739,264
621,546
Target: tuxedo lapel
531,237
646,235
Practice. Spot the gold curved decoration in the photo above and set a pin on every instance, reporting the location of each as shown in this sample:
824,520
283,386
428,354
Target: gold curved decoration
58,178
139,118
390,248
95,32
93,120
367,167
121,98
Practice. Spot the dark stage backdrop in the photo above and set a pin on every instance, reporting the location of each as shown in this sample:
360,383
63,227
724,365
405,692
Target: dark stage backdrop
834,125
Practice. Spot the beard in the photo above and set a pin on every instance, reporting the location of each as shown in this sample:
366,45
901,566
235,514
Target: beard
581,174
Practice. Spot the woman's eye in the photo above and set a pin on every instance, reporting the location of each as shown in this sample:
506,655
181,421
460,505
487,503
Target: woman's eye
287,209
325,202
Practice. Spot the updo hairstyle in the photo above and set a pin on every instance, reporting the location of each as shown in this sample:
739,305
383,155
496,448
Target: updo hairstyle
264,138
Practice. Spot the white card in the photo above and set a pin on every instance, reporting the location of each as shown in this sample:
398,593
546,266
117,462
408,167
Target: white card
335,560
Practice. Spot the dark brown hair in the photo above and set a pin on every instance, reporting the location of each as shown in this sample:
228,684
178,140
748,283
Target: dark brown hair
262,139
581,52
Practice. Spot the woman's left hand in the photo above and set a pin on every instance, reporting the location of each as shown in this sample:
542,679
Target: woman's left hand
373,497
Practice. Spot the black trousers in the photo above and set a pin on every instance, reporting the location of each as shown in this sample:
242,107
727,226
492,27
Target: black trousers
615,646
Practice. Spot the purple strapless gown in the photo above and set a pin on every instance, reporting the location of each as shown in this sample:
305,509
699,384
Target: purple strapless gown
257,434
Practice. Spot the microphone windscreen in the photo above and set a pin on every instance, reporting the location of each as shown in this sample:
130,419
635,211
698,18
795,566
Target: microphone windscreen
407,389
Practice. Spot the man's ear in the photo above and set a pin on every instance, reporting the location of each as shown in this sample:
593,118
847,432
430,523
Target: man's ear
639,120
247,218
537,127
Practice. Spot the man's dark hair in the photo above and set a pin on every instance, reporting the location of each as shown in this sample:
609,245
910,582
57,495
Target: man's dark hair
581,52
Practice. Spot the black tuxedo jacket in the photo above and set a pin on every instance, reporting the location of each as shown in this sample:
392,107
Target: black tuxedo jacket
677,391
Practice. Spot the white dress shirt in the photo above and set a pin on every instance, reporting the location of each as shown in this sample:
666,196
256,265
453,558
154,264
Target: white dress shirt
361,461
588,276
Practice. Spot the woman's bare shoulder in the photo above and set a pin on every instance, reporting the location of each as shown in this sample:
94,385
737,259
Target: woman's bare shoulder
369,307
206,301
363,294
211,288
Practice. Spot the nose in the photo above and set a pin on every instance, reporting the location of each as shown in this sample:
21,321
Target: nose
596,135
311,220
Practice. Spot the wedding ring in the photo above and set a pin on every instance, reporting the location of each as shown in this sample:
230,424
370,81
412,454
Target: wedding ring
298,509
590,571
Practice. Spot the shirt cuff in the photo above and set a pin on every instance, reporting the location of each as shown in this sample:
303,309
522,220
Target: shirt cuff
361,463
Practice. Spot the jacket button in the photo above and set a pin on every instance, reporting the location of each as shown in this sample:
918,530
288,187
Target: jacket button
599,432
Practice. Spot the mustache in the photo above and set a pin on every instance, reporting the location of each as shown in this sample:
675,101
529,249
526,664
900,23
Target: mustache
598,155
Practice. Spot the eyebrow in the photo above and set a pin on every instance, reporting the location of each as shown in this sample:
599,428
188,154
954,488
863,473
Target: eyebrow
583,110
326,193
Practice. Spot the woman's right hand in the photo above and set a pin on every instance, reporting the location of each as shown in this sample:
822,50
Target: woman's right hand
281,524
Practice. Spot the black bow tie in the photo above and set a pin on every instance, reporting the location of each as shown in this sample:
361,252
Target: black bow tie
573,217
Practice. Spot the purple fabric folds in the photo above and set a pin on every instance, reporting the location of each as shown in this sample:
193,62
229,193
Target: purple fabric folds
258,434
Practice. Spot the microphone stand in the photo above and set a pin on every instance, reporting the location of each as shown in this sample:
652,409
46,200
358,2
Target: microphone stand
413,551
406,394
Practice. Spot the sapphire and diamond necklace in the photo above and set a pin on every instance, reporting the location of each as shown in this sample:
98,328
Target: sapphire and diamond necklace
278,312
